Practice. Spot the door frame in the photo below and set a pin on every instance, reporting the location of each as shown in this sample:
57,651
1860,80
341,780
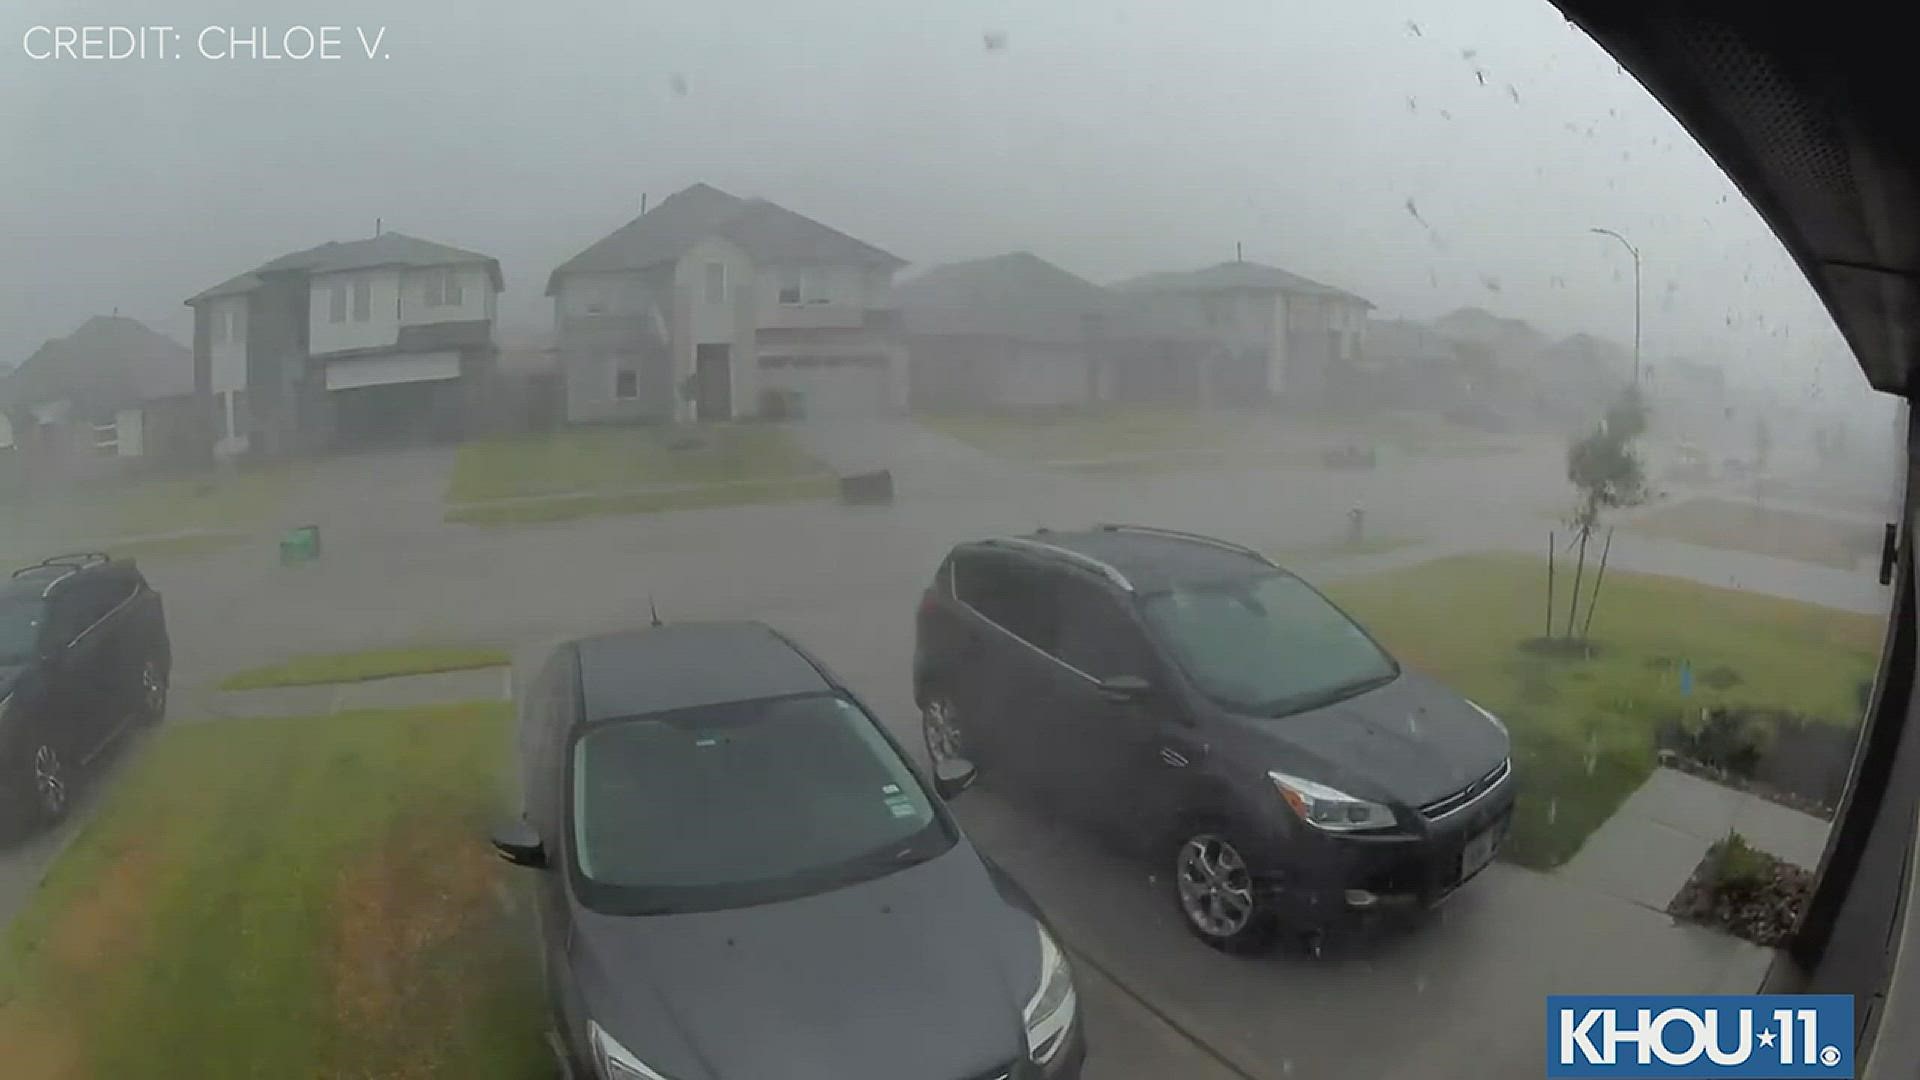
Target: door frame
705,373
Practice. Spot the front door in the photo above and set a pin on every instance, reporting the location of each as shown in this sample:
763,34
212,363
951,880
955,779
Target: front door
1128,755
713,381
999,657
87,691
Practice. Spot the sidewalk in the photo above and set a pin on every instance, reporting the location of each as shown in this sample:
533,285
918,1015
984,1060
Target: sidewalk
1650,846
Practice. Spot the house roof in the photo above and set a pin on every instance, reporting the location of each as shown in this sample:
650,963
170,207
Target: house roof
1235,276
110,360
1405,341
767,231
1023,296
1016,295
386,249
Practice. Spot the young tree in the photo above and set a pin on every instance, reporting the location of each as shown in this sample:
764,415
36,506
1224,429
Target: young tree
1606,472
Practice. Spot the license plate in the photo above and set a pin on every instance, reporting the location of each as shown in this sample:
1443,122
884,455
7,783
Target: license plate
1479,852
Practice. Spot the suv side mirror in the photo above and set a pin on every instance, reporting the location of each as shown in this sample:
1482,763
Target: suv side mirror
953,776
517,843
1125,688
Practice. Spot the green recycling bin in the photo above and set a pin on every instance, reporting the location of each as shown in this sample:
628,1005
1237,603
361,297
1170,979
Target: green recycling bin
301,545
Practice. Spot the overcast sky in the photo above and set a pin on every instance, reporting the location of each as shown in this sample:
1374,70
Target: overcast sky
1427,156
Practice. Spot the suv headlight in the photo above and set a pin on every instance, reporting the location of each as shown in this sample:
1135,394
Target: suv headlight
613,1060
1049,1013
1329,808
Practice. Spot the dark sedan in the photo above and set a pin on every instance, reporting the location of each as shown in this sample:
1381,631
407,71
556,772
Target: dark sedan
742,876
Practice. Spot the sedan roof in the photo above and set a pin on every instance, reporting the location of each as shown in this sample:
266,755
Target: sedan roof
684,665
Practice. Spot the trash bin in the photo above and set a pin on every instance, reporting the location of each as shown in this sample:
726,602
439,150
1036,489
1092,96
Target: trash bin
301,545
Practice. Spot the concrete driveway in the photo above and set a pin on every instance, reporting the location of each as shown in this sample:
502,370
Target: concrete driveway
1461,996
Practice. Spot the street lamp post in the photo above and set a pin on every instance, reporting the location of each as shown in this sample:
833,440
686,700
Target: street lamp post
1635,252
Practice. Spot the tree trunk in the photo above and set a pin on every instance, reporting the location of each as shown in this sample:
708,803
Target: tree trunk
1579,567
1550,543
1599,575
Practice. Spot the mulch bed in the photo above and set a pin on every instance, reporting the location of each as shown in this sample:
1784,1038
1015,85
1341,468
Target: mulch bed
1764,915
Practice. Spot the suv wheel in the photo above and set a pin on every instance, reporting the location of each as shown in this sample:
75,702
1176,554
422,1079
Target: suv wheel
1216,894
49,784
940,727
153,691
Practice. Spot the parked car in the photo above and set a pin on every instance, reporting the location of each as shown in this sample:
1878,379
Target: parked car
742,875
84,659
1282,767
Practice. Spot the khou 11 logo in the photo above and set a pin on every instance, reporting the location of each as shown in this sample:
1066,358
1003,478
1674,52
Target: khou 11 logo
1781,1036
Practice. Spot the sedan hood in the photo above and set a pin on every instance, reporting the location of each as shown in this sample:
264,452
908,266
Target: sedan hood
921,973
1412,741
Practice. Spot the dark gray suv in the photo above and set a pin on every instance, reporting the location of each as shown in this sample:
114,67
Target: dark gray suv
1284,768
743,876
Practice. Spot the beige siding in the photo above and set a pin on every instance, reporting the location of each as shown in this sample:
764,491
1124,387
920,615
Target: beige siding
380,328
418,286
227,352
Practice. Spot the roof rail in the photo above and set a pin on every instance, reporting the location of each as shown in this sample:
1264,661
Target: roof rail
72,561
1087,562
1198,538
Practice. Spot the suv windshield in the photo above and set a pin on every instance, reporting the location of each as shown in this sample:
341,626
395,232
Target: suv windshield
20,622
1268,644
744,803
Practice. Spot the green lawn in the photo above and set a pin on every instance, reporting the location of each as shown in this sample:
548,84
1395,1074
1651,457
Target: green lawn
612,459
219,506
1583,728
1377,544
370,664
1092,434
268,897
1122,441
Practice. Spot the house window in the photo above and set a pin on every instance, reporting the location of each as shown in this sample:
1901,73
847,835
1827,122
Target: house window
443,289
337,303
626,385
362,300
219,325
813,285
790,288
106,438
716,283
595,298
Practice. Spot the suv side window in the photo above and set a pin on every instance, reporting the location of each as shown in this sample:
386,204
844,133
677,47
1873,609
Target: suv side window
1009,590
83,603
1096,634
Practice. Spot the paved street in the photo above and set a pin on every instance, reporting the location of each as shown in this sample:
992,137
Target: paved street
1460,996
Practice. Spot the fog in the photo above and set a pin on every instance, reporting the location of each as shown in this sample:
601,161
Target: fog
1425,156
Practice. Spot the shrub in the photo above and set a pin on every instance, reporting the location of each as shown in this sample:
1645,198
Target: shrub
1741,869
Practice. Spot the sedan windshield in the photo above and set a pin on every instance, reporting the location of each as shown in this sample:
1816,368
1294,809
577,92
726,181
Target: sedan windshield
740,804
20,621
1269,645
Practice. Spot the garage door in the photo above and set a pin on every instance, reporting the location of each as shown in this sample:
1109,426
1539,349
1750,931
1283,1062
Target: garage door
830,386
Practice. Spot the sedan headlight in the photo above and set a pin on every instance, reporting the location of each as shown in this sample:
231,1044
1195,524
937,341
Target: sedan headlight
613,1060
1328,808
1492,719
1049,1013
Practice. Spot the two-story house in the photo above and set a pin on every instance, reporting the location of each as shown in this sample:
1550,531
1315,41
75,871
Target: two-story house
711,307
388,339
113,391
1284,337
1017,332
